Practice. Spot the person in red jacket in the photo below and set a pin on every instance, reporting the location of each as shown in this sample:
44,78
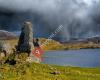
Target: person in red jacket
37,52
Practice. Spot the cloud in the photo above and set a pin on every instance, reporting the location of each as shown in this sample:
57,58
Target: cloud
77,16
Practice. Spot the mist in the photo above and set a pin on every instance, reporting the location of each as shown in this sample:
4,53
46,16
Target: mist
80,18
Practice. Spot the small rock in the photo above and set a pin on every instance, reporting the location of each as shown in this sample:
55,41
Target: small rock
33,59
56,73
2,55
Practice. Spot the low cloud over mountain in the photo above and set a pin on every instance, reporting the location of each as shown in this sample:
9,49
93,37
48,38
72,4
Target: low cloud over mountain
80,18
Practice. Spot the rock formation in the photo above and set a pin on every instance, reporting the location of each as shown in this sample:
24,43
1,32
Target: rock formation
25,43
5,49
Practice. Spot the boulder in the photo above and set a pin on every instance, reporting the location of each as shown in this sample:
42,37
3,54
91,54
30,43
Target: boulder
5,49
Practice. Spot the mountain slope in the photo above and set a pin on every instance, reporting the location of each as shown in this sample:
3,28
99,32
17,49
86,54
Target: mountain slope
5,35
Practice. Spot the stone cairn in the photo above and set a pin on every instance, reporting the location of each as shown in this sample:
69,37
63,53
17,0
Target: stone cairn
25,43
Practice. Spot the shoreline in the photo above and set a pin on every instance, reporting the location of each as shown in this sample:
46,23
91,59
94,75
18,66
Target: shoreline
71,49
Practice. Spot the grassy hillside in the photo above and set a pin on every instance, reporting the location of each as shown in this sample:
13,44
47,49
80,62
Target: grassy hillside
55,45
32,71
50,45
89,45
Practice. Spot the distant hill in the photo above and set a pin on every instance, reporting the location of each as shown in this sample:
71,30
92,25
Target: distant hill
5,35
85,40
93,39
86,43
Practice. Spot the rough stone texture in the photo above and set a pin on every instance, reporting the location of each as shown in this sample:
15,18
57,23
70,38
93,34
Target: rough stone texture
25,43
5,49
2,55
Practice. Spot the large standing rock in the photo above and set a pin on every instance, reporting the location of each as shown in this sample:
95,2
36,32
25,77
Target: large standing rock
25,43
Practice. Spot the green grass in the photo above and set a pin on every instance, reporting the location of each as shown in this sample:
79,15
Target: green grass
33,71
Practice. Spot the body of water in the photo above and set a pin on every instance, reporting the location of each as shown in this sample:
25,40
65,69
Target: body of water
78,58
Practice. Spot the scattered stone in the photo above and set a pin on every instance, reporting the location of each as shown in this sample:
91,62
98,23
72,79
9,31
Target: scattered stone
33,59
55,73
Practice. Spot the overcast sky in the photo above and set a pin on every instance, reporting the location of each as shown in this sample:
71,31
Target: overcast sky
80,18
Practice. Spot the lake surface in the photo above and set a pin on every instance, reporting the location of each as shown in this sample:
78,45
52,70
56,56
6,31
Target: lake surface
78,58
